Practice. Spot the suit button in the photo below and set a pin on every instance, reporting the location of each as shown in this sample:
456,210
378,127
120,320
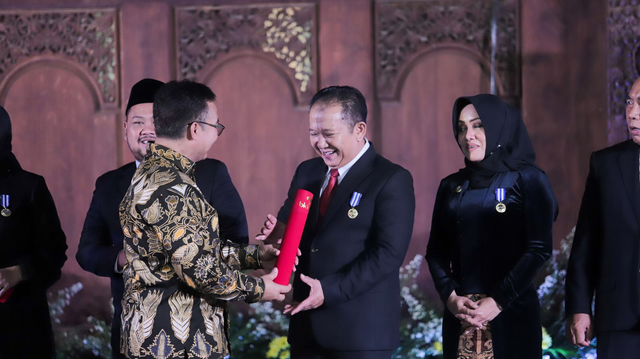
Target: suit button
314,250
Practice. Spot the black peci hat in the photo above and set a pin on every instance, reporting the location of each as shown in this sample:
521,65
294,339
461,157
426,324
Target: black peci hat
143,92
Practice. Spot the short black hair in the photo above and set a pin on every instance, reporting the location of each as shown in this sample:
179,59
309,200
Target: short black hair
179,103
354,106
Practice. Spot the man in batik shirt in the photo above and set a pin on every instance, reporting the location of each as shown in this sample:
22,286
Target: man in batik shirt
179,273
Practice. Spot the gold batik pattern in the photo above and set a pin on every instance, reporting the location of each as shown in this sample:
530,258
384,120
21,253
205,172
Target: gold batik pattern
178,272
477,344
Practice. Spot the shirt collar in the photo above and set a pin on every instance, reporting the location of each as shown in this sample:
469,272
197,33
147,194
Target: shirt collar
181,162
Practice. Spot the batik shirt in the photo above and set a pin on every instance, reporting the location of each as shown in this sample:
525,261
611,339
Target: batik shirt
179,273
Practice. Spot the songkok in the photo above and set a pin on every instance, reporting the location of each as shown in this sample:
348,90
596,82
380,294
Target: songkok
143,92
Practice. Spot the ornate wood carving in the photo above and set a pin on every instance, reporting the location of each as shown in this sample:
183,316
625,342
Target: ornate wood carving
87,37
406,28
285,33
624,62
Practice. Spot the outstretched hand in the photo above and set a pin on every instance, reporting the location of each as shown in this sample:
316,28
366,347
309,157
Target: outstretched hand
271,231
313,301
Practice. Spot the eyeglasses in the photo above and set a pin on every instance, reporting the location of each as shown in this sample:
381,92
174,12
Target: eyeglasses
217,126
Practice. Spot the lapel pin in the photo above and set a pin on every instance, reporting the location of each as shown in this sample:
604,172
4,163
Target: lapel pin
355,200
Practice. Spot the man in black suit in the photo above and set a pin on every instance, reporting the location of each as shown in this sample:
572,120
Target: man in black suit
346,301
605,257
100,250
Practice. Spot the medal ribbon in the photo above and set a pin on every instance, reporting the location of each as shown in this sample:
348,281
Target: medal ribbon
5,200
355,199
500,193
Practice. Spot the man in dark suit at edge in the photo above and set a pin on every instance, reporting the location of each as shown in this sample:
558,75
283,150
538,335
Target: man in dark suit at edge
346,301
100,249
605,258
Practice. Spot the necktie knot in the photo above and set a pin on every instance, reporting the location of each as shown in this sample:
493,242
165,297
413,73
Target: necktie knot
334,173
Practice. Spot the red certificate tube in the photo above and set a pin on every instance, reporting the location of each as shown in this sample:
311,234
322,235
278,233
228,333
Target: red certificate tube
292,235
6,295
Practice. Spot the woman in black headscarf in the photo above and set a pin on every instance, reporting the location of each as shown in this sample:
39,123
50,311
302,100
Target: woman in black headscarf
32,252
491,233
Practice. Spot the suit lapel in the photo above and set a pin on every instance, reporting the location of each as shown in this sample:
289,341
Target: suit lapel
628,161
125,179
315,188
204,175
359,171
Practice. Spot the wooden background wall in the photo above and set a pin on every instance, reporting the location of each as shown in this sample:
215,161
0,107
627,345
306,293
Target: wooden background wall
67,66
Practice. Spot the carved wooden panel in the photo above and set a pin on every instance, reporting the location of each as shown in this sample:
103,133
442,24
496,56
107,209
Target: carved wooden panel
285,35
406,29
86,37
624,62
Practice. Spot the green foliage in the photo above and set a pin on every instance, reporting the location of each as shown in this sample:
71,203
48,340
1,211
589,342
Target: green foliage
89,340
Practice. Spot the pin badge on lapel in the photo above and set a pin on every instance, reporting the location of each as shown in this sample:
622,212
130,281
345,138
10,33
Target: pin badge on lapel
355,200
500,207
6,212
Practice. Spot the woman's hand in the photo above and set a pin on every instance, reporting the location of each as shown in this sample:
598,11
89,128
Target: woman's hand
487,310
464,309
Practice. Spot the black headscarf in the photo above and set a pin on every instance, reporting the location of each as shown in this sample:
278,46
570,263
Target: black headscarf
508,147
7,159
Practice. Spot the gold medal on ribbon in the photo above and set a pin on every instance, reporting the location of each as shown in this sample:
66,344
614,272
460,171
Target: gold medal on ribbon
500,196
6,212
355,200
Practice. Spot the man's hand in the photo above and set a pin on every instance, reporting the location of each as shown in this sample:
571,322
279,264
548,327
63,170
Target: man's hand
271,231
122,260
272,290
269,254
9,278
579,330
313,301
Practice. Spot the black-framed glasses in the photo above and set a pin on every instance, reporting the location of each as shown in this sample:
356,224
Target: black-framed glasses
218,126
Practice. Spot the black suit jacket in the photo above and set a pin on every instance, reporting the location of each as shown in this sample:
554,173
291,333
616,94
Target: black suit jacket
102,236
32,238
356,260
606,248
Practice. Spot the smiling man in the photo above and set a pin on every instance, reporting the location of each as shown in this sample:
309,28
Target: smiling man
346,290
604,258
100,250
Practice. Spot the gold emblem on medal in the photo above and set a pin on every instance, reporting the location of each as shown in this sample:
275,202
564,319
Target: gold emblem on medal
353,213
501,207
5,212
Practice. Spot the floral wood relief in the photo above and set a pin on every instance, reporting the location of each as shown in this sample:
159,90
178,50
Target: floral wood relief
623,23
86,37
405,28
286,33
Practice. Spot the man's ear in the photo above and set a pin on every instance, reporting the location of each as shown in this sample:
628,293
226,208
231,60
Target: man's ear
361,130
193,131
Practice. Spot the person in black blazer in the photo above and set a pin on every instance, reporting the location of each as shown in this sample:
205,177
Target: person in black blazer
605,257
346,300
100,249
33,253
